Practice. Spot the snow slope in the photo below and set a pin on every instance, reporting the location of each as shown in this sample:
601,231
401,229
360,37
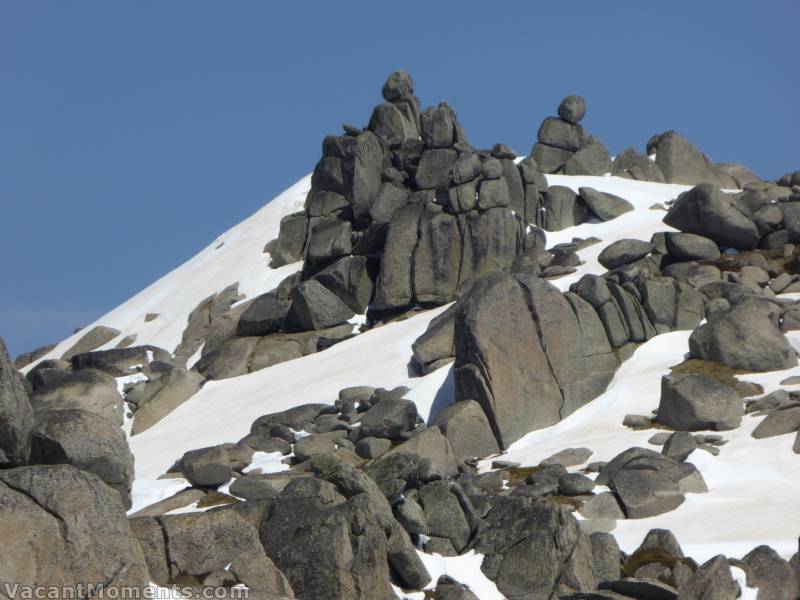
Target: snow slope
236,256
753,494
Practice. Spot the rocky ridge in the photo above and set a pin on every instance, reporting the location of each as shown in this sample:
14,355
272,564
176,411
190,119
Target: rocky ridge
404,215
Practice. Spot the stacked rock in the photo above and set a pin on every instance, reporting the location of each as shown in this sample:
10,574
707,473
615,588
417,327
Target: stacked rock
564,147
409,207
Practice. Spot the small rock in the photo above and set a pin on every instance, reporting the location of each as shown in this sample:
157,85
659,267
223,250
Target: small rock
679,446
637,422
575,484
569,457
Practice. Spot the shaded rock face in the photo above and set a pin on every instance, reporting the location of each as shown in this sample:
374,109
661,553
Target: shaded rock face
68,528
16,414
202,321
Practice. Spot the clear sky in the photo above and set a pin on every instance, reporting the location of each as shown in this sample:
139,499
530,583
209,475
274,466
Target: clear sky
132,133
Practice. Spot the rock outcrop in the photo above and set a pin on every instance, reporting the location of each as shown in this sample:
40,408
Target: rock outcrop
16,414
68,528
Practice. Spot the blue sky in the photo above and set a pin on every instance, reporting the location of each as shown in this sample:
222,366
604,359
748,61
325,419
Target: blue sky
132,133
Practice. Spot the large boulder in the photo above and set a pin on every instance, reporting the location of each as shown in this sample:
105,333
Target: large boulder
161,396
690,246
603,205
389,418
65,527
591,159
197,548
119,362
562,208
435,347
771,574
533,548
290,244
528,354
88,389
705,210
466,427
693,402
351,279
266,314
622,252
316,307
630,163
327,546
328,238
682,162
646,483
91,340
87,441
572,108
426,456
712,579
16,414
744,338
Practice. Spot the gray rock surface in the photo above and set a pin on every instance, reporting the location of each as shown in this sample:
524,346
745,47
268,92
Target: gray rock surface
68,528
163,395
682,162
191,548
705,210
525,356
87,441
466,427
89,389
16,415
712,579
689,246
315,307
622,252
603,205
744,338
692,402
91,340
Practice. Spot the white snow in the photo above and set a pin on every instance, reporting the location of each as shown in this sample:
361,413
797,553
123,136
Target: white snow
267,462
465,569
222,411
240,260
753,488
